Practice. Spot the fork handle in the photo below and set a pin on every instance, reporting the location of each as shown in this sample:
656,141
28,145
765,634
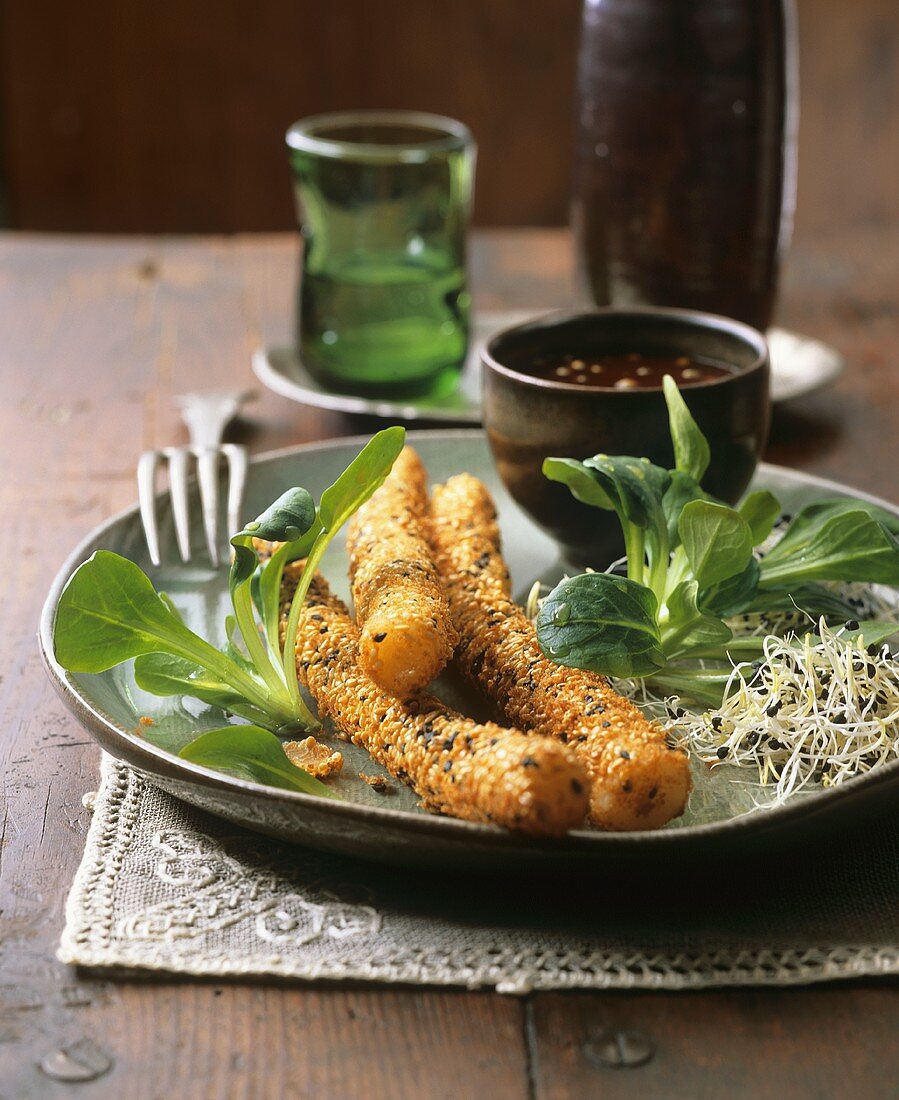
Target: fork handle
207,416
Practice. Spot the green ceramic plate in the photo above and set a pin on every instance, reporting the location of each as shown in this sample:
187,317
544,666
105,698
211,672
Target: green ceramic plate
391,827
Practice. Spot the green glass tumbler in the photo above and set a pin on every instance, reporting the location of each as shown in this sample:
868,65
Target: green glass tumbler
383,200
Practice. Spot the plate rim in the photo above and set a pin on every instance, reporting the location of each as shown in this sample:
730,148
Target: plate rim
103,729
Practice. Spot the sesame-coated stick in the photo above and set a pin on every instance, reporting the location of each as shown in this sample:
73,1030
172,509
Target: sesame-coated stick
637,780
406,634
479,772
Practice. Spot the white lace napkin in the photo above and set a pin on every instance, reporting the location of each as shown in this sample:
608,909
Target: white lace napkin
164,887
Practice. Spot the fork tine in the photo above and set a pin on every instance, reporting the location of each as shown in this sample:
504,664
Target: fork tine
237,479
178,460
146,494
208,477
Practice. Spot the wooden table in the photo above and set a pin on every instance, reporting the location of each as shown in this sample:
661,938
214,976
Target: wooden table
97,335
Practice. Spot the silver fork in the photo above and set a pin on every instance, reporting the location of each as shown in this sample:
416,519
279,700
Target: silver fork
206,416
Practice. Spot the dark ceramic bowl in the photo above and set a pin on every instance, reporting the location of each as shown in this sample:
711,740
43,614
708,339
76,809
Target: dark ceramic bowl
529,418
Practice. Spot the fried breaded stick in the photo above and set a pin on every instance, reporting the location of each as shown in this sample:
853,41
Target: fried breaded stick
637,780
480,772
406,633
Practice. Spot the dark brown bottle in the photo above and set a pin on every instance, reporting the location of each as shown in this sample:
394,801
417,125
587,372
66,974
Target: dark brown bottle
684,177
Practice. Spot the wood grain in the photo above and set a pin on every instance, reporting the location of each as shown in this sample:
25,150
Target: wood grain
706,1046
171,117
193,137
97,336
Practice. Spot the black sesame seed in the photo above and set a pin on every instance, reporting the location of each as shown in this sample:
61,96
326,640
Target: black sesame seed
722,752
624,754
852,624
380,637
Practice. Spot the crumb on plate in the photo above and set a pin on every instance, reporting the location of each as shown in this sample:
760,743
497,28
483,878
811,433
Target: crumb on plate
314,757
379,783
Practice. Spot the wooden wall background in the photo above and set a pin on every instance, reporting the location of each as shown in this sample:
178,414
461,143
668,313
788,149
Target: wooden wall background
117,115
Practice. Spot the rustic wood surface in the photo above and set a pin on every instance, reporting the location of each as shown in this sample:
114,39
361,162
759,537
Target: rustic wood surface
171,117
97,337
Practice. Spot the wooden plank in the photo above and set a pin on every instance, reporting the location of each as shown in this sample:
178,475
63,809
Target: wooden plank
841,289
173,119
814,1043
97,336
192,137
268,1042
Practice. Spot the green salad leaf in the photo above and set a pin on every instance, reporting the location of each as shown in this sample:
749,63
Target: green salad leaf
580,479
761,510
249,752
636,489
686,626
732,595
601,622
716,540
286,519
271,576
109,612
682,490
813,600
836,543
694,562
691,449
166,674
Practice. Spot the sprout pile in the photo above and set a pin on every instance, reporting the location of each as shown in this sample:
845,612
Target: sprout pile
817,709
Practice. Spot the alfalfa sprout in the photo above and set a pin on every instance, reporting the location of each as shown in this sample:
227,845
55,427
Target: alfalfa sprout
816,709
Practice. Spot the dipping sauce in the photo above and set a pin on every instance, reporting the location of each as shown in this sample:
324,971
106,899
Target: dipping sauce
630,371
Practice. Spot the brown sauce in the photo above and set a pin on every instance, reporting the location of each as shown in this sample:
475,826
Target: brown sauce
630,371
